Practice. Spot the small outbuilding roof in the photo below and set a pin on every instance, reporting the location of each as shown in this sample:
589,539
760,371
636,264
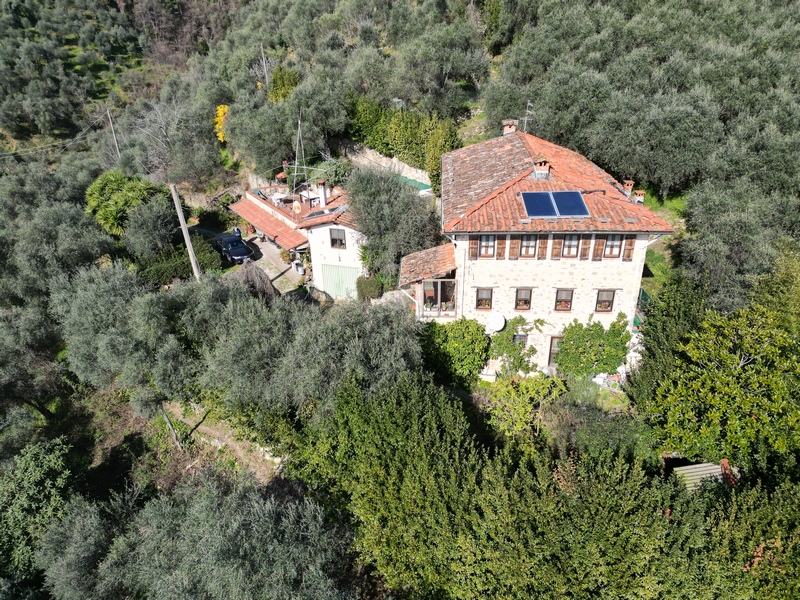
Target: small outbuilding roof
425,264
693,476
284,236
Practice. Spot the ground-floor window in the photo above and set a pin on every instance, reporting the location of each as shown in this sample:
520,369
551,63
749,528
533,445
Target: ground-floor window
439,298
523,299
564,300
605,301
483,299
551,360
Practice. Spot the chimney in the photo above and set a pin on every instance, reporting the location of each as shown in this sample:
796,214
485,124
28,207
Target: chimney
627,187
728,474
639,196
509,126
541,168
283,176
323,200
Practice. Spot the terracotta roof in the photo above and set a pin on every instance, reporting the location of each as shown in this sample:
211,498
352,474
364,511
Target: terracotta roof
340,217
284,236
482,183
433,262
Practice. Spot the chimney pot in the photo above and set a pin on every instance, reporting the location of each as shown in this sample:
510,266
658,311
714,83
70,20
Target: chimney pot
324,198
639,196
541,168
627,187
509,126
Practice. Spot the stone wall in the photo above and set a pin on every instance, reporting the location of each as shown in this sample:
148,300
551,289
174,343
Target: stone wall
365,157
545,277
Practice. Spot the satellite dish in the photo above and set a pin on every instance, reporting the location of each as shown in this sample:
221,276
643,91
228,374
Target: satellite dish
296,207
496,322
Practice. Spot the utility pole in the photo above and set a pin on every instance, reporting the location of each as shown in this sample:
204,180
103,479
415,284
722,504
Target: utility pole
185,230
114,133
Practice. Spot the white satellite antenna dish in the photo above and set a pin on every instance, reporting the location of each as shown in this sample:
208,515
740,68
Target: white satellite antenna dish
496,322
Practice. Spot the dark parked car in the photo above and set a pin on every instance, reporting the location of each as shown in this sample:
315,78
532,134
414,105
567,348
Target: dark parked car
232,247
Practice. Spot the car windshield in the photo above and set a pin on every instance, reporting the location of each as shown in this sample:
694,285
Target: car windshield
235,244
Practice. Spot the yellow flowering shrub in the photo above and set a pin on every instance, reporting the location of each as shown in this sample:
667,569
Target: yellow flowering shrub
219,121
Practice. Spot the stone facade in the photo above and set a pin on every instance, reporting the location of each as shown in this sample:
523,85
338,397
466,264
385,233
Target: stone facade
544,277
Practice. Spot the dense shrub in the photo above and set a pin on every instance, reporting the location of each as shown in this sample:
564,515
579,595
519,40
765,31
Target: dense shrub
113,195
586,350
455,352
515,356
367,289
412,137
174,262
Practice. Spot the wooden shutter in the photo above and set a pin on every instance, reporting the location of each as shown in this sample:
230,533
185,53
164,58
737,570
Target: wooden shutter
599,247
558,244
500,251
514,246
542,250
627,253
586,246
473,247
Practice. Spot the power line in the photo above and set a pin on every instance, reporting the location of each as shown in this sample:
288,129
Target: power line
62,145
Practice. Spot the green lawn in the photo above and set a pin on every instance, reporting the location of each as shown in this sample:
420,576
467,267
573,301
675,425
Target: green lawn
660,256
671,208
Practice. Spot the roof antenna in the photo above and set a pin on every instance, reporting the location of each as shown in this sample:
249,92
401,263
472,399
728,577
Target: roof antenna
299,153
528,113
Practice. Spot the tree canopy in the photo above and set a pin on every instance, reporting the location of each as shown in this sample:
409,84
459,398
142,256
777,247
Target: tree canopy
733,391
393,219
212,537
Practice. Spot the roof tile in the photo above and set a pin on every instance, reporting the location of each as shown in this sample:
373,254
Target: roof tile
284,236
482,186
433,262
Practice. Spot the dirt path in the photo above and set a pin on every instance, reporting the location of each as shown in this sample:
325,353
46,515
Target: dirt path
249,456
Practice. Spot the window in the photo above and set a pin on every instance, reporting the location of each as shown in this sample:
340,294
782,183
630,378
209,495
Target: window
521,339
564,300
605,301
484,298
570,246
523,299
439,298
613,246
487,246
551,361
528,247
338,239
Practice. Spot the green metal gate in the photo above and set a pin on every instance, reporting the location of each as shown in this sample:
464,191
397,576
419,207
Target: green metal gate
339,281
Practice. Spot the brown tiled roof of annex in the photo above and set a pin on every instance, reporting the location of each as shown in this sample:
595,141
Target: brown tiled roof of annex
342,217
284,236
433,262
500,208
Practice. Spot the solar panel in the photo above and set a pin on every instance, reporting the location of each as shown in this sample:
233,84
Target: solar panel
554,204
539,204
570,204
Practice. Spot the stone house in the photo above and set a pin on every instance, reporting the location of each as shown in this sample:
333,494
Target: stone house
535,230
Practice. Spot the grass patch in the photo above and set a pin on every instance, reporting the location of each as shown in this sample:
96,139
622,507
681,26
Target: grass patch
673,206
656,271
